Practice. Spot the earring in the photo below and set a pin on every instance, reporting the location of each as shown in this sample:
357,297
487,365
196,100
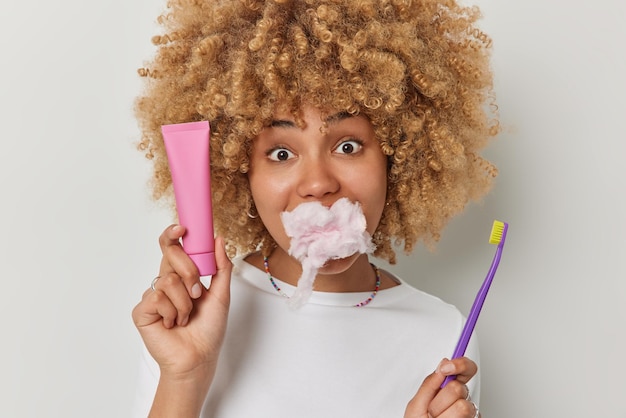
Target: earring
251,215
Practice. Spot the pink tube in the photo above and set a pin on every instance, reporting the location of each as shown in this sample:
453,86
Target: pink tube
187,147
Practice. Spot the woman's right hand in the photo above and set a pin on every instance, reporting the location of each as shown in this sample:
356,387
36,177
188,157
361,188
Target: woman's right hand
181,323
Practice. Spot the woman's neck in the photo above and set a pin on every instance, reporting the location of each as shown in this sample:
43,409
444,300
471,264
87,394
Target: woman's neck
352,274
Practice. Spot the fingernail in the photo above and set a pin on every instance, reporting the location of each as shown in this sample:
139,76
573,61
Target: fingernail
196,291
446,368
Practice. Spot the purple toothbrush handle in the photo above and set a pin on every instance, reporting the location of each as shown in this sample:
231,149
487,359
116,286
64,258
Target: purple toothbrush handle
472,318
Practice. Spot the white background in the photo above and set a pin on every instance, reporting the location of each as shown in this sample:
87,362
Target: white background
79,231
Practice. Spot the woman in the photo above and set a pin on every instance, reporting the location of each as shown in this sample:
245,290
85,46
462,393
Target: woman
380,103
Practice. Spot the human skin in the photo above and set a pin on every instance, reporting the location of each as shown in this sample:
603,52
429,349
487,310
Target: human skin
183,328
333,155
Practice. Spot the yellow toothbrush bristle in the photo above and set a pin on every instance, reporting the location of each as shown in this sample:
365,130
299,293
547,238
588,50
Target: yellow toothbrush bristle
496,232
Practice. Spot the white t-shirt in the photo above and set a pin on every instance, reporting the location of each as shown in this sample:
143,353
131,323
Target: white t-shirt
326,359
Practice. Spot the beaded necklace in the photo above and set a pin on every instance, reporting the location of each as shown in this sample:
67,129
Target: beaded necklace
358,305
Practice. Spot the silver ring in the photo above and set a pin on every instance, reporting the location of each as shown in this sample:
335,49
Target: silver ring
154,283
468,397
477,414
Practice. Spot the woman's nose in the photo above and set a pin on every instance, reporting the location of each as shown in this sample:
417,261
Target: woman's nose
317,179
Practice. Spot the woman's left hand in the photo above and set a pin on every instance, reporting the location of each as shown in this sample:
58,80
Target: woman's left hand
453,400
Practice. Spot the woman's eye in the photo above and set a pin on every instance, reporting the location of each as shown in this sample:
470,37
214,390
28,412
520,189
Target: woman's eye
349,147
280,154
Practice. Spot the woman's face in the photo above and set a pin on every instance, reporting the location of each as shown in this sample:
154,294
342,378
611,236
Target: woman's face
290,165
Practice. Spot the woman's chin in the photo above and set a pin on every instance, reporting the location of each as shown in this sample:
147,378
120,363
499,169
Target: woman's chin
340,265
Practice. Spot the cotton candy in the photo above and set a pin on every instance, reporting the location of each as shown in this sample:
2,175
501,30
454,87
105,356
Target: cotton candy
319,234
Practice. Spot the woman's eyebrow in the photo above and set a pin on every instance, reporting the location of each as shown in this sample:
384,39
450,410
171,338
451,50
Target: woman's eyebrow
282,123
336,118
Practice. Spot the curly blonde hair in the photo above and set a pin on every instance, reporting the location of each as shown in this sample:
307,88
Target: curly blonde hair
419,70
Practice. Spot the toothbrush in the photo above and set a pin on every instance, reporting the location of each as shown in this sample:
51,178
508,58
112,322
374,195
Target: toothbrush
497,237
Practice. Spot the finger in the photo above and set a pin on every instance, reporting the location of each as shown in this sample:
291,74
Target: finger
211,309
166,309
171,236
447,398
460,409
173,287
154,307
176,260
463,368
220,282
418,406
169,299
454,396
